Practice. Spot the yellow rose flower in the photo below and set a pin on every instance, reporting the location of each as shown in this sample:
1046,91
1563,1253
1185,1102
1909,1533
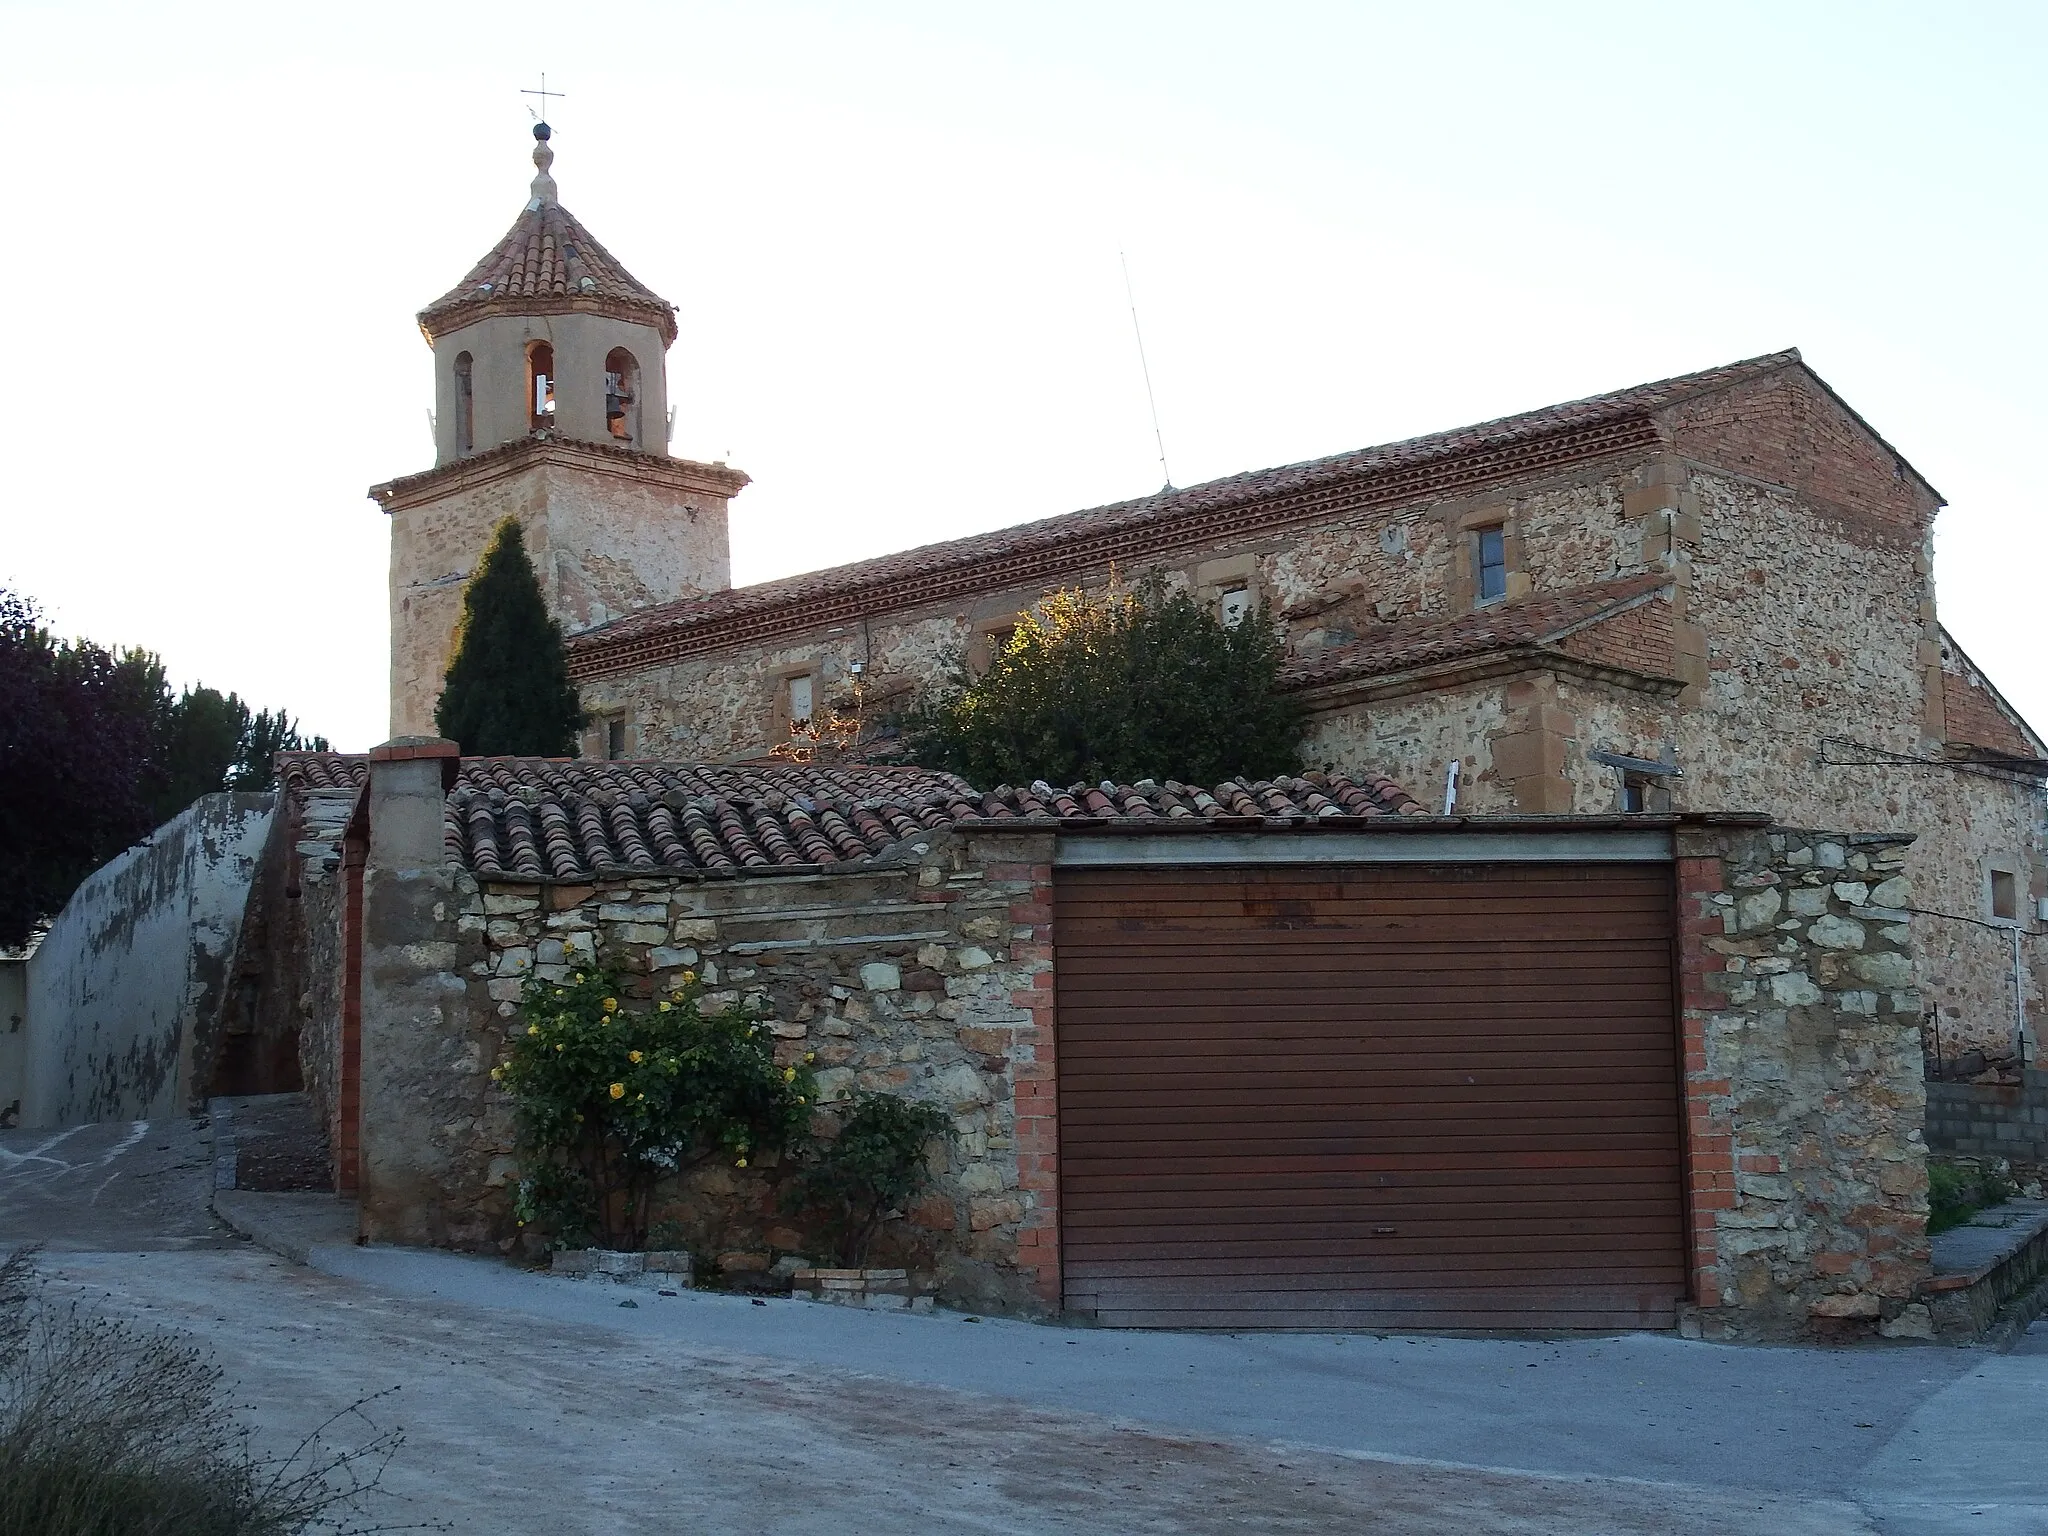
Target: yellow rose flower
611,1005
688,977
665,1006
810,1056
741,1163
577,977
558,1045
789,1074
618,1090
633,1057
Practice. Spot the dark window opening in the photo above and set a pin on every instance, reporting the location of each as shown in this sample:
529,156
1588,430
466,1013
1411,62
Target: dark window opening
2005,895
1635,795
615,738
621,395
1493,564
540,384
465,404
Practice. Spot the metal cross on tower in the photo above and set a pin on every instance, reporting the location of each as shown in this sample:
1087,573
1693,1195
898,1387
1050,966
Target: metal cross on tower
544,93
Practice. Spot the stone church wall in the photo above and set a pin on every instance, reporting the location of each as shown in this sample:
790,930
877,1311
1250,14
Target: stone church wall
608,532
1818,642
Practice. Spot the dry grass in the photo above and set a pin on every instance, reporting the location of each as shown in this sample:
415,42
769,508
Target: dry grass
111,1430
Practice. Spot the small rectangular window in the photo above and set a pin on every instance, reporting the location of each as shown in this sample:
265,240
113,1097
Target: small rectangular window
1635,795
799,700
1492,563
1236,606
615,737
2005,896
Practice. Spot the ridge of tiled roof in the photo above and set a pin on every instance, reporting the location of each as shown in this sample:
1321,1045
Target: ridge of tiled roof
544,819
546,263
1134,530
1537,620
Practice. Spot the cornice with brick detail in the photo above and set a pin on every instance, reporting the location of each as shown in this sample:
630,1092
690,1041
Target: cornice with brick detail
969,572
548,447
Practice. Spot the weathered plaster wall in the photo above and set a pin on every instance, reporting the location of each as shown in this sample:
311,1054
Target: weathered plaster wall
126,988
920,976
1805,1098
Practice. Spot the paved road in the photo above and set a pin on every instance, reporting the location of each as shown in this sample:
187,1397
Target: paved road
537,1404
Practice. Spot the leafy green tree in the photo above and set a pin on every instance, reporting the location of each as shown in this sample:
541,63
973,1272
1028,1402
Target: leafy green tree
207,741
75,748
508,693
1135,683
95,751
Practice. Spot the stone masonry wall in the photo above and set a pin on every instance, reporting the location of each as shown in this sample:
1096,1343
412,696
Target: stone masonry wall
1327,583
1805,1099
607,533
927,975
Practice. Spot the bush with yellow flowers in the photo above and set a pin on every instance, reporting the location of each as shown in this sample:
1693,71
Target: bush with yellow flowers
615,1095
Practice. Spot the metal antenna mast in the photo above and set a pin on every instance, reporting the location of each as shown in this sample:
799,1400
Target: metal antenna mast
1144,368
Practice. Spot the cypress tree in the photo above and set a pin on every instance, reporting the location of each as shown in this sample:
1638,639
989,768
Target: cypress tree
508,693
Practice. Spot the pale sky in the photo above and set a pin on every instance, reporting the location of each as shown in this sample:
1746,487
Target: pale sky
892,233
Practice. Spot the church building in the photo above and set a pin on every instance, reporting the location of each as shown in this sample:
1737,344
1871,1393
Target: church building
1714,592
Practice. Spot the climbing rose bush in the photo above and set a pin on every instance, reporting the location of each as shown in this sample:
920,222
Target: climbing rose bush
612,1098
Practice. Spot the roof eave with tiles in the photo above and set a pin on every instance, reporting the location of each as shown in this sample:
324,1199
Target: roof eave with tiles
546,821
548,263
1543,441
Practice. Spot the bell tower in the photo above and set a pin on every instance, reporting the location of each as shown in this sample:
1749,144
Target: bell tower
551,406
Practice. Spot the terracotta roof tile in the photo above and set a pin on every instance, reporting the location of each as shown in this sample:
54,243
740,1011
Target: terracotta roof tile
547,262
1535,621
543,819
1133,529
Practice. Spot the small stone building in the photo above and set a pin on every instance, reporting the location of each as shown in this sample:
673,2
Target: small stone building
1281,1054
1712,592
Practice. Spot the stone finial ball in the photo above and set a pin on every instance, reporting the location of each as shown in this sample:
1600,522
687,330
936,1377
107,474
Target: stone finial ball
543,132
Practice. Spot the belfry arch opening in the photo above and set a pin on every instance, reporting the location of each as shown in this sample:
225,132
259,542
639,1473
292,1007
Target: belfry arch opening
622,396
540,384
465,403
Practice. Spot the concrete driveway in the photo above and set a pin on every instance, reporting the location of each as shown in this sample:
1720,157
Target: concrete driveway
538,1404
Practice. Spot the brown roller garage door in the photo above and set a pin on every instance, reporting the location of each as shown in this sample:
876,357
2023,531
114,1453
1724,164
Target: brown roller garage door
1383,1095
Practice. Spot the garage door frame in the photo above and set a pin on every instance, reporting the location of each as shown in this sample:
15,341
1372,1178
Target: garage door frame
1158,848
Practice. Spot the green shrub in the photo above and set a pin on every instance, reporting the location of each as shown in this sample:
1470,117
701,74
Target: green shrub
1956,1191
875,1164
614,1099
1135,683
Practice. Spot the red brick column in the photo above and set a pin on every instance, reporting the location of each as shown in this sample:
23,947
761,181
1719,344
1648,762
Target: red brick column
1037,1089
1709,1113
348,1078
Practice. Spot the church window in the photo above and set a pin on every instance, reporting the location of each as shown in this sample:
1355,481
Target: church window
1490,557
615,737
622,395
1236,606
465,403
2005,895
799,700
540,383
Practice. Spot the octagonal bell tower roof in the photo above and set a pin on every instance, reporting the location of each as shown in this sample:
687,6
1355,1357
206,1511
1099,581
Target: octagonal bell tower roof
547,264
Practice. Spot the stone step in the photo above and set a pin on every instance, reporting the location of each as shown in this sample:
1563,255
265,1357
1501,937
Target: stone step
1989,1271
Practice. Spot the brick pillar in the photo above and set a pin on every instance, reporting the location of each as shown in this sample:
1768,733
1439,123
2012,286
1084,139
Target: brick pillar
1037,1089
410,982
